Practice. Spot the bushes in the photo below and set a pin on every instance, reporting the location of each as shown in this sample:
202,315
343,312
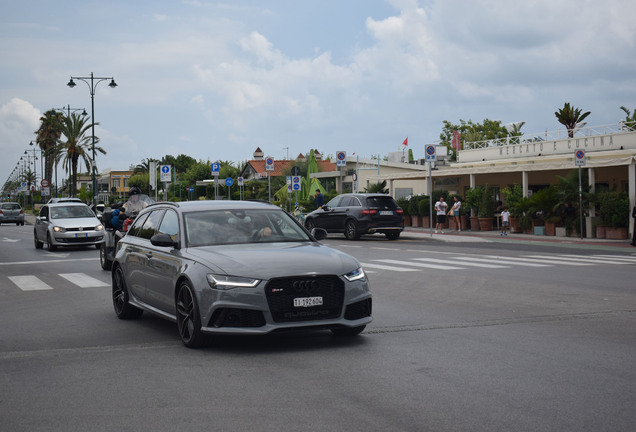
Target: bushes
613,208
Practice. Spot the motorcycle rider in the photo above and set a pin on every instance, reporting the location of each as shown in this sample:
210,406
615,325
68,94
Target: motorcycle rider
134,204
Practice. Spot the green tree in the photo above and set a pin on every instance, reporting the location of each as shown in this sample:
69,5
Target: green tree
379,187
570,117
630,119
47,136
75,146
471,132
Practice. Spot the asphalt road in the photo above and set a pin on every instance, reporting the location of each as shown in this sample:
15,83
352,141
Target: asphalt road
467,336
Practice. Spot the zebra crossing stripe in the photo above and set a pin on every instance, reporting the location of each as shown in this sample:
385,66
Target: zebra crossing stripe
580,260
524,262
470,264
29,283
418,264
386,267
82,280
619,258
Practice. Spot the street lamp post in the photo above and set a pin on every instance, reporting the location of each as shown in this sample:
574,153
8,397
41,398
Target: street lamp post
68,110
91,86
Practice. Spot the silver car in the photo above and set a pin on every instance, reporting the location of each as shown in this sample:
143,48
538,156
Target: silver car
11,212
67,224
235,267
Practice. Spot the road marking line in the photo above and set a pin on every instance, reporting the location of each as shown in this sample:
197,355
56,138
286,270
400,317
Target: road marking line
29,283
83,280
384,267
580,260
45,261
513,261
620,258
417,264
464,263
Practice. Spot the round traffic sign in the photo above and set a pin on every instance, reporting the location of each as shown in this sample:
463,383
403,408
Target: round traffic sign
229,181
430,150
44,183
580,154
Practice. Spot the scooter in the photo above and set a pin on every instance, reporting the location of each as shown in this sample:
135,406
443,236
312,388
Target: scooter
116,229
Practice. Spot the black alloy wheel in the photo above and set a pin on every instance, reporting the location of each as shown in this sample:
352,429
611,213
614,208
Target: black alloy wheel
103,259
123,309
351,230
309,224
38,244
188,319
49,244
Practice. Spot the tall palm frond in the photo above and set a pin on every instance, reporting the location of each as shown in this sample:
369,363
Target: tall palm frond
570,117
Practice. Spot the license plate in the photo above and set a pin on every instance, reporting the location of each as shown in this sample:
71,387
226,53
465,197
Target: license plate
386,213
307,301
81,235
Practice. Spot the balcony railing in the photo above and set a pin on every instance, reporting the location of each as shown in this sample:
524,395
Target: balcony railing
553,135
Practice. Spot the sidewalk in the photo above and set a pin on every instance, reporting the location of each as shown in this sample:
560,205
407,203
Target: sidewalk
469,236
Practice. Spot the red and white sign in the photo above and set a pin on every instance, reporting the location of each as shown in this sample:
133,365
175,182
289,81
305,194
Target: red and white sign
44,183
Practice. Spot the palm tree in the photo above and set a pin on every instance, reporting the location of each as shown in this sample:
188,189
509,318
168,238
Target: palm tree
46,137
78,145
570,118
630,120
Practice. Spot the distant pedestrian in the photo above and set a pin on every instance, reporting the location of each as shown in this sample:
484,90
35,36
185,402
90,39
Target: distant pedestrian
440,208
319,199
505,221
454,212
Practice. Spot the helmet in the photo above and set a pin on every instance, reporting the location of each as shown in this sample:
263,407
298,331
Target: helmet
134,191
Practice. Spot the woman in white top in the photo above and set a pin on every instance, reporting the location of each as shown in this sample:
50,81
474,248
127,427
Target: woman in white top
454,212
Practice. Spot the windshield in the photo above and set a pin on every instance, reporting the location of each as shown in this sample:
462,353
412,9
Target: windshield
71,212
220,227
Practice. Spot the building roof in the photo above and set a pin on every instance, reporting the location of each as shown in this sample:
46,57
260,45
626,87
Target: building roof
280,166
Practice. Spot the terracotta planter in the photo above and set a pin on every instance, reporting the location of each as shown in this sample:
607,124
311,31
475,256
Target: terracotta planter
515,225
485,224
416,220
474,223
615,233
550,228
407,220
426,221
600,232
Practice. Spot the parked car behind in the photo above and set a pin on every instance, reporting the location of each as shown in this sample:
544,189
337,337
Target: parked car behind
67,224
235,267
358,214
11,212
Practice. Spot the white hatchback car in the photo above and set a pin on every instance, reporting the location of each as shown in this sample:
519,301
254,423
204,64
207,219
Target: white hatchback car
67,224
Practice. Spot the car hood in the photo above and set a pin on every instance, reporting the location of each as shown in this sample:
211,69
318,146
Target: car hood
267,260
76,222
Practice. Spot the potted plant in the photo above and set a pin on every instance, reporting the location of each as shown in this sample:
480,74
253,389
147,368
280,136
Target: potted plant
486,209
514,199
473,199
416,219
614,214
404,205
424,210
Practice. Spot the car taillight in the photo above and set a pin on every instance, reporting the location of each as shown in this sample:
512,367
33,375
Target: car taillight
369,212
399,211
21,211
1,212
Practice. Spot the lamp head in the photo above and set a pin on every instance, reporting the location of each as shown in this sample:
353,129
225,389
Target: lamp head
84,113
71,83
112,84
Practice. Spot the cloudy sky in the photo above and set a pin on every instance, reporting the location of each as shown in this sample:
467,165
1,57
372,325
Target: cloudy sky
216,79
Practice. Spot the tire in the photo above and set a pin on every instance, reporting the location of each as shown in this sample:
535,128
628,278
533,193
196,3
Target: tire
38,244
351,230
393,235
123,309
98,246
188,319
347,331
103,258
310,225
49,245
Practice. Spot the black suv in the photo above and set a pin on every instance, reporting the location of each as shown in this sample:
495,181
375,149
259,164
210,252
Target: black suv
355,214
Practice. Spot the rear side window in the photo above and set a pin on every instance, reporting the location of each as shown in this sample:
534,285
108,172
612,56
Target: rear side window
382,203
150,225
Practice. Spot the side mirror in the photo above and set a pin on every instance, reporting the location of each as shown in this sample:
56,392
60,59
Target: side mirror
163,240
319,233
325,207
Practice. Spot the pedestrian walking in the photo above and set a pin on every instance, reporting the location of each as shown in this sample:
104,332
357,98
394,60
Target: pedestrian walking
440,208
505,221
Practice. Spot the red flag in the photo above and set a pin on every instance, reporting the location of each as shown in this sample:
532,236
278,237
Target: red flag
406,142
456,142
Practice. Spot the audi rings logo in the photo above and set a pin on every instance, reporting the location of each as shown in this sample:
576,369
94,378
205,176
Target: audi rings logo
305,286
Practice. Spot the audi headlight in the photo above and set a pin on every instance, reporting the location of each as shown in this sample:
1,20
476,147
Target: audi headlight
357,274
59,229
229,282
